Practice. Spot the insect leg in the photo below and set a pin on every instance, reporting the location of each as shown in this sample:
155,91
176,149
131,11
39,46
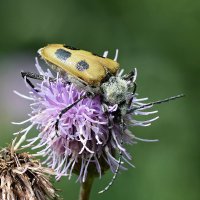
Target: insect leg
30,75
27,75
131,76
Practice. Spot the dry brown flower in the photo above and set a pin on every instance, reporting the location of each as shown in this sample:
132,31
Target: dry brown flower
23,178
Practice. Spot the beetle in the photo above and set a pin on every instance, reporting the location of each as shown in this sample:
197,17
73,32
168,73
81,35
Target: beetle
91,72
89,67
97,75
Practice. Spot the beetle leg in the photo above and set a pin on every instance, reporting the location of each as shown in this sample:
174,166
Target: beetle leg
131,76
26,75
32,75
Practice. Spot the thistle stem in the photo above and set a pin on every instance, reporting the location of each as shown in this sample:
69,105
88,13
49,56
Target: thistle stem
86,188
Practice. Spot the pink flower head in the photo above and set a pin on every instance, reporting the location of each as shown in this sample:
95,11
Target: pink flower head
84,141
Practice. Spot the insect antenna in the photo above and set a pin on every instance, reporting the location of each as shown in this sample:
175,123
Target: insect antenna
63,111
115,173
119,162
157,102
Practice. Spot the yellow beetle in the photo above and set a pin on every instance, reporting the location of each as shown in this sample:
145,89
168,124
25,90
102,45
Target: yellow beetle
89,67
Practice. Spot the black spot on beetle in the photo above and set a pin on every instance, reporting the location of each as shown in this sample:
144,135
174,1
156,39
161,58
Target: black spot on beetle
62,54
72,48
82,65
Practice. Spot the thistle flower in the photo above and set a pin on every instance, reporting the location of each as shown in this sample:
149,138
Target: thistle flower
23,178
84,142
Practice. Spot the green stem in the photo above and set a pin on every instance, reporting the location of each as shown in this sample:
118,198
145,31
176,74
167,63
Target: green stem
86,188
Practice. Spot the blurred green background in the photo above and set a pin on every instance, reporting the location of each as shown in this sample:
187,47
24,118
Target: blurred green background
161,39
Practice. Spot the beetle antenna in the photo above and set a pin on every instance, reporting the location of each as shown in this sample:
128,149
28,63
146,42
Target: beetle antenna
119,162
63,111
157,102
115,173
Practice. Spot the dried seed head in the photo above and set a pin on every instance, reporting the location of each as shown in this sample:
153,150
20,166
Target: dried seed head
23,178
